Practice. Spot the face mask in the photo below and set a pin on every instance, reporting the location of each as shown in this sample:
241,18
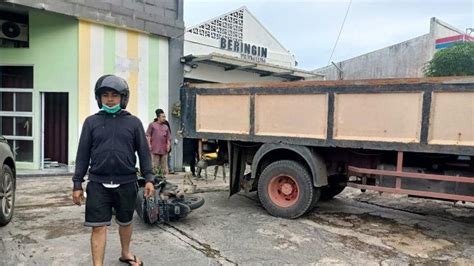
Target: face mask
111,110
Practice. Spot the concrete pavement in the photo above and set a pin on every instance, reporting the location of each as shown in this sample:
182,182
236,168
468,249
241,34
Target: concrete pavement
355,228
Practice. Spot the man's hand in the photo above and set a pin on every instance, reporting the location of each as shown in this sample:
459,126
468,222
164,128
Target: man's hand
148,140
149,190
77,197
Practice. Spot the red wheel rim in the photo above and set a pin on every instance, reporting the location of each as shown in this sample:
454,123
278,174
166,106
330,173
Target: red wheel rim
283,191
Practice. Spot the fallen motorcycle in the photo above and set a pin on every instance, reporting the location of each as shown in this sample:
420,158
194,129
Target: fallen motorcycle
169,203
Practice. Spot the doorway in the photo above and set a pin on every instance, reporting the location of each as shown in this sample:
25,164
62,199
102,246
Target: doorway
55,109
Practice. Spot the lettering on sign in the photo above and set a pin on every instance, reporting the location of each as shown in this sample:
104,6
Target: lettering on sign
247,51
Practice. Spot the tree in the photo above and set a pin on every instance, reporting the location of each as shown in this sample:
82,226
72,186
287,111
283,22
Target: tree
455,61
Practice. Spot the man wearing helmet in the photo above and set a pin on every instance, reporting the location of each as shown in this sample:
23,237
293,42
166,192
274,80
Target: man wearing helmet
108,143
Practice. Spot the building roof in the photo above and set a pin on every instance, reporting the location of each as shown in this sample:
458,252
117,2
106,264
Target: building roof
230,63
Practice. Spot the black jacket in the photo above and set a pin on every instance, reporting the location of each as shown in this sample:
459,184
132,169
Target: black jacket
108,144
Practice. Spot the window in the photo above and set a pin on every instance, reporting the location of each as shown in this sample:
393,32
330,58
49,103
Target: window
14,32
16,109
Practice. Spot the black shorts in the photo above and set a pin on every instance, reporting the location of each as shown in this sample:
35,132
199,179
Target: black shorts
100,201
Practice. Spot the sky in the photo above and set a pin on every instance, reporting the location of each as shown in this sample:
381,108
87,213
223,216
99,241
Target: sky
309,28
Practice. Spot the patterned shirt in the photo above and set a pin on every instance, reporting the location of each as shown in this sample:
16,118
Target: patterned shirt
159,135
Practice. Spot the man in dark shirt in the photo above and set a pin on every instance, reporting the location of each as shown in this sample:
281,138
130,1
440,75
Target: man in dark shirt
170,156
108,143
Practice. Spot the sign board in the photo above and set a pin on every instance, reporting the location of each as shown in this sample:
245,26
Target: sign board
450,41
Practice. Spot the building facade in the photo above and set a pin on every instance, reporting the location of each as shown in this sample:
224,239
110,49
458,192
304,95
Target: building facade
54,51
403,60
236,47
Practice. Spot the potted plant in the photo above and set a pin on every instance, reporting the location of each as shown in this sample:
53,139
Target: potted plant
176,109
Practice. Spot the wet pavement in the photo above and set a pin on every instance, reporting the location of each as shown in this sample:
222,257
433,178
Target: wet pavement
355,228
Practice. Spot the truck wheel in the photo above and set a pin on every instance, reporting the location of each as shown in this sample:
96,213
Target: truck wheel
336,185
316,198
285,189
7,195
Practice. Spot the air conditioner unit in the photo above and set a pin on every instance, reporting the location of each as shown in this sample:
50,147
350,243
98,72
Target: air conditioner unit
13,31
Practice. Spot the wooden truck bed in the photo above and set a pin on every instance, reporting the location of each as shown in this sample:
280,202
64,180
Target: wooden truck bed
432,115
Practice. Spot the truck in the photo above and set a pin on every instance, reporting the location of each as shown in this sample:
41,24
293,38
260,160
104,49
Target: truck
300,142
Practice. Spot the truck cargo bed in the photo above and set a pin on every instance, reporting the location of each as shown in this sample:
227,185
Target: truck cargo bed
429,115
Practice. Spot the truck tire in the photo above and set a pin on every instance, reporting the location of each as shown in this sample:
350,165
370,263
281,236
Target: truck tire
316,198
336,185
285,189
7,195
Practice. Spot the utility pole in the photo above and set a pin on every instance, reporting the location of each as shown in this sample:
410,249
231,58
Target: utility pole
339,70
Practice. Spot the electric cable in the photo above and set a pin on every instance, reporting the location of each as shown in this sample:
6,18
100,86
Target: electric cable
340,31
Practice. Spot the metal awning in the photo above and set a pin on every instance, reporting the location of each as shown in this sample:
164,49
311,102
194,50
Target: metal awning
230,63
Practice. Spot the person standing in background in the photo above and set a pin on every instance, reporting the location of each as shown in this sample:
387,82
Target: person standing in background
158,135
190,153
170,157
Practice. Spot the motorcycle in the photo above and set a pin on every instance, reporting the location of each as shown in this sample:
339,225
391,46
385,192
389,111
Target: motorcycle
168,204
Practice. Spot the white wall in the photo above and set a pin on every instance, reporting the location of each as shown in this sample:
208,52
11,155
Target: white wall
255,33
402,60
